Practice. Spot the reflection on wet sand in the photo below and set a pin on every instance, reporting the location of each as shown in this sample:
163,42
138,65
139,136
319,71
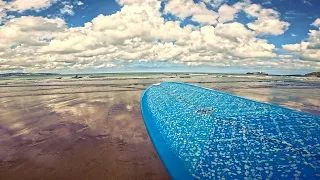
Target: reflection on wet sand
92,128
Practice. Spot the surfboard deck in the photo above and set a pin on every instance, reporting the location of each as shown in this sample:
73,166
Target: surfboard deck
201,133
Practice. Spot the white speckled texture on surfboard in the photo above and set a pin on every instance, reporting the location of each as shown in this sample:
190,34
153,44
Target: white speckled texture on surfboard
205,134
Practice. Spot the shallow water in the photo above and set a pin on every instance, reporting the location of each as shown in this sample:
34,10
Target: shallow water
92,128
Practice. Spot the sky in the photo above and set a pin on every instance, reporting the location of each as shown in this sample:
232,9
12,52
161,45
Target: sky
223,36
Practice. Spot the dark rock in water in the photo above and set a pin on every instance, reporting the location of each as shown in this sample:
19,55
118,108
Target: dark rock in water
77,77
258,73
313,74
185,77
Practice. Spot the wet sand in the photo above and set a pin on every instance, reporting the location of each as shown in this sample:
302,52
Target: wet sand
91,128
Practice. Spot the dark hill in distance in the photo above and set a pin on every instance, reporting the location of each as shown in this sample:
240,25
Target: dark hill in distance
313,74
258,73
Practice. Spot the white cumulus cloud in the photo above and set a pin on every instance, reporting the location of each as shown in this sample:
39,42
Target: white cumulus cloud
22,5
197,11
79,3
307,50
267,23
67,9
139,32
316,23
227,13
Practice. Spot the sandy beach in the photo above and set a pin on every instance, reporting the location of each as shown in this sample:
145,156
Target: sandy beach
91,128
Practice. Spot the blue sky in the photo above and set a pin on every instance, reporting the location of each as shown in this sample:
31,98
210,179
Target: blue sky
278,36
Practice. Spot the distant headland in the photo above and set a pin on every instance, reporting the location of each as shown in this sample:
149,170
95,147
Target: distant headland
313,74
258,73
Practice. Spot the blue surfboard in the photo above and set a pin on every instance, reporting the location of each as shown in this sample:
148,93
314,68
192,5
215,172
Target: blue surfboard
201,133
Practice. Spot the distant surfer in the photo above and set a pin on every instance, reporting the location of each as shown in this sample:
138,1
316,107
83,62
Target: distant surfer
77,77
